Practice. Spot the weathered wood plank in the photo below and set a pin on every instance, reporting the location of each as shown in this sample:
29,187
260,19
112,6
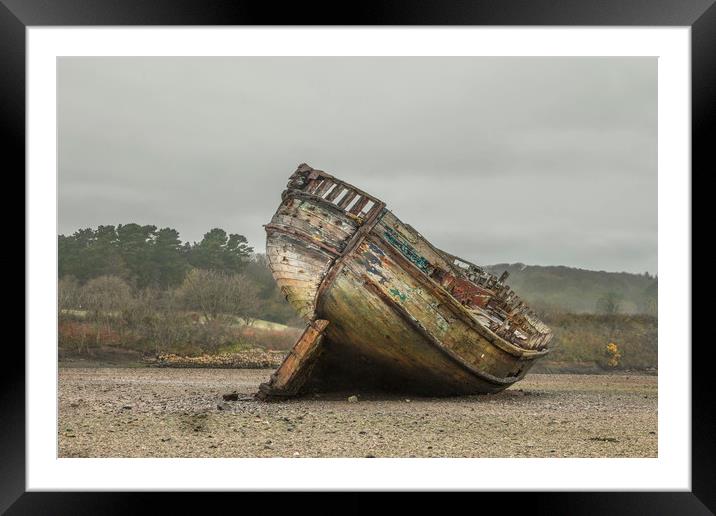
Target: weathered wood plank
323,188
358,206
347,199
293,372
335,193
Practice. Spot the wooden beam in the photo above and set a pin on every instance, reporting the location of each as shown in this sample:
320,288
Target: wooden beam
357,207
292,374
347,199
334,193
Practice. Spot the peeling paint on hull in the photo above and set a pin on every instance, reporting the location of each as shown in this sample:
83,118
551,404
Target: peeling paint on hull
399,313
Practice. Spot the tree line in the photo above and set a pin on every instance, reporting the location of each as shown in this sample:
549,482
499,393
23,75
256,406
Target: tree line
141,287
147,256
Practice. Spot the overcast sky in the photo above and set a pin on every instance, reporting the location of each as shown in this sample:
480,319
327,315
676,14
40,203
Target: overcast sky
545,161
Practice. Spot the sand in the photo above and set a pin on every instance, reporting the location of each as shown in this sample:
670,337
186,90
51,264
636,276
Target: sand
153,412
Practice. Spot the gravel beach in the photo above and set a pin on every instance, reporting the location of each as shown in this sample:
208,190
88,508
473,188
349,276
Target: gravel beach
158,412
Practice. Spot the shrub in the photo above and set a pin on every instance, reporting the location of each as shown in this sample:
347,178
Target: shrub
584,338
215,293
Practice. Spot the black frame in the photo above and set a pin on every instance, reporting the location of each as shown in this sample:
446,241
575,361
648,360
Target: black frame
700,15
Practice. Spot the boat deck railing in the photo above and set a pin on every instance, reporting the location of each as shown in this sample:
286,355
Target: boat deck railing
346,197
509,317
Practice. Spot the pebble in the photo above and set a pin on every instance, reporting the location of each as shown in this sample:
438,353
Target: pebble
182,406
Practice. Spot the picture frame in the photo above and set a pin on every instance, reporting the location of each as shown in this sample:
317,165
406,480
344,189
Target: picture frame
17,15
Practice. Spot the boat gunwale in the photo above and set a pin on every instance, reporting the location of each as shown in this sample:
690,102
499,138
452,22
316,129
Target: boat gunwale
451,258
458,309
303,167
293,193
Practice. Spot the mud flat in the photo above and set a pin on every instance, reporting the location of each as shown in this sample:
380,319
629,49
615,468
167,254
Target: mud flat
148,412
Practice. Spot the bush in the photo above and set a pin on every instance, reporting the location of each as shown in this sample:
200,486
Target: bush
216,293
106,295
585,337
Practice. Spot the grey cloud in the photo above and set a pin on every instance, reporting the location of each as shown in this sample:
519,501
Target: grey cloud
539,160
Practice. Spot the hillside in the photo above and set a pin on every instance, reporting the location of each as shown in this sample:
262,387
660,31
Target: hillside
567,289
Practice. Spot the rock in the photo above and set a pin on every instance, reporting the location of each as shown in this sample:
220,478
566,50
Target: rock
353,399
232,396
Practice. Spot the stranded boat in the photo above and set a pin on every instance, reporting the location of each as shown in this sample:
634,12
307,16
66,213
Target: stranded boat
385,308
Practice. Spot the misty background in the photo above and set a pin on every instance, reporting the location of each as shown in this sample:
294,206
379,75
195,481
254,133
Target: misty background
545,161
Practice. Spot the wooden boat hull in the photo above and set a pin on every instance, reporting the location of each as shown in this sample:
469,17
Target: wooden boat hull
384,321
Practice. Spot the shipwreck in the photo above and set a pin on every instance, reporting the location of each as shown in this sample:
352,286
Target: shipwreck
384,307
